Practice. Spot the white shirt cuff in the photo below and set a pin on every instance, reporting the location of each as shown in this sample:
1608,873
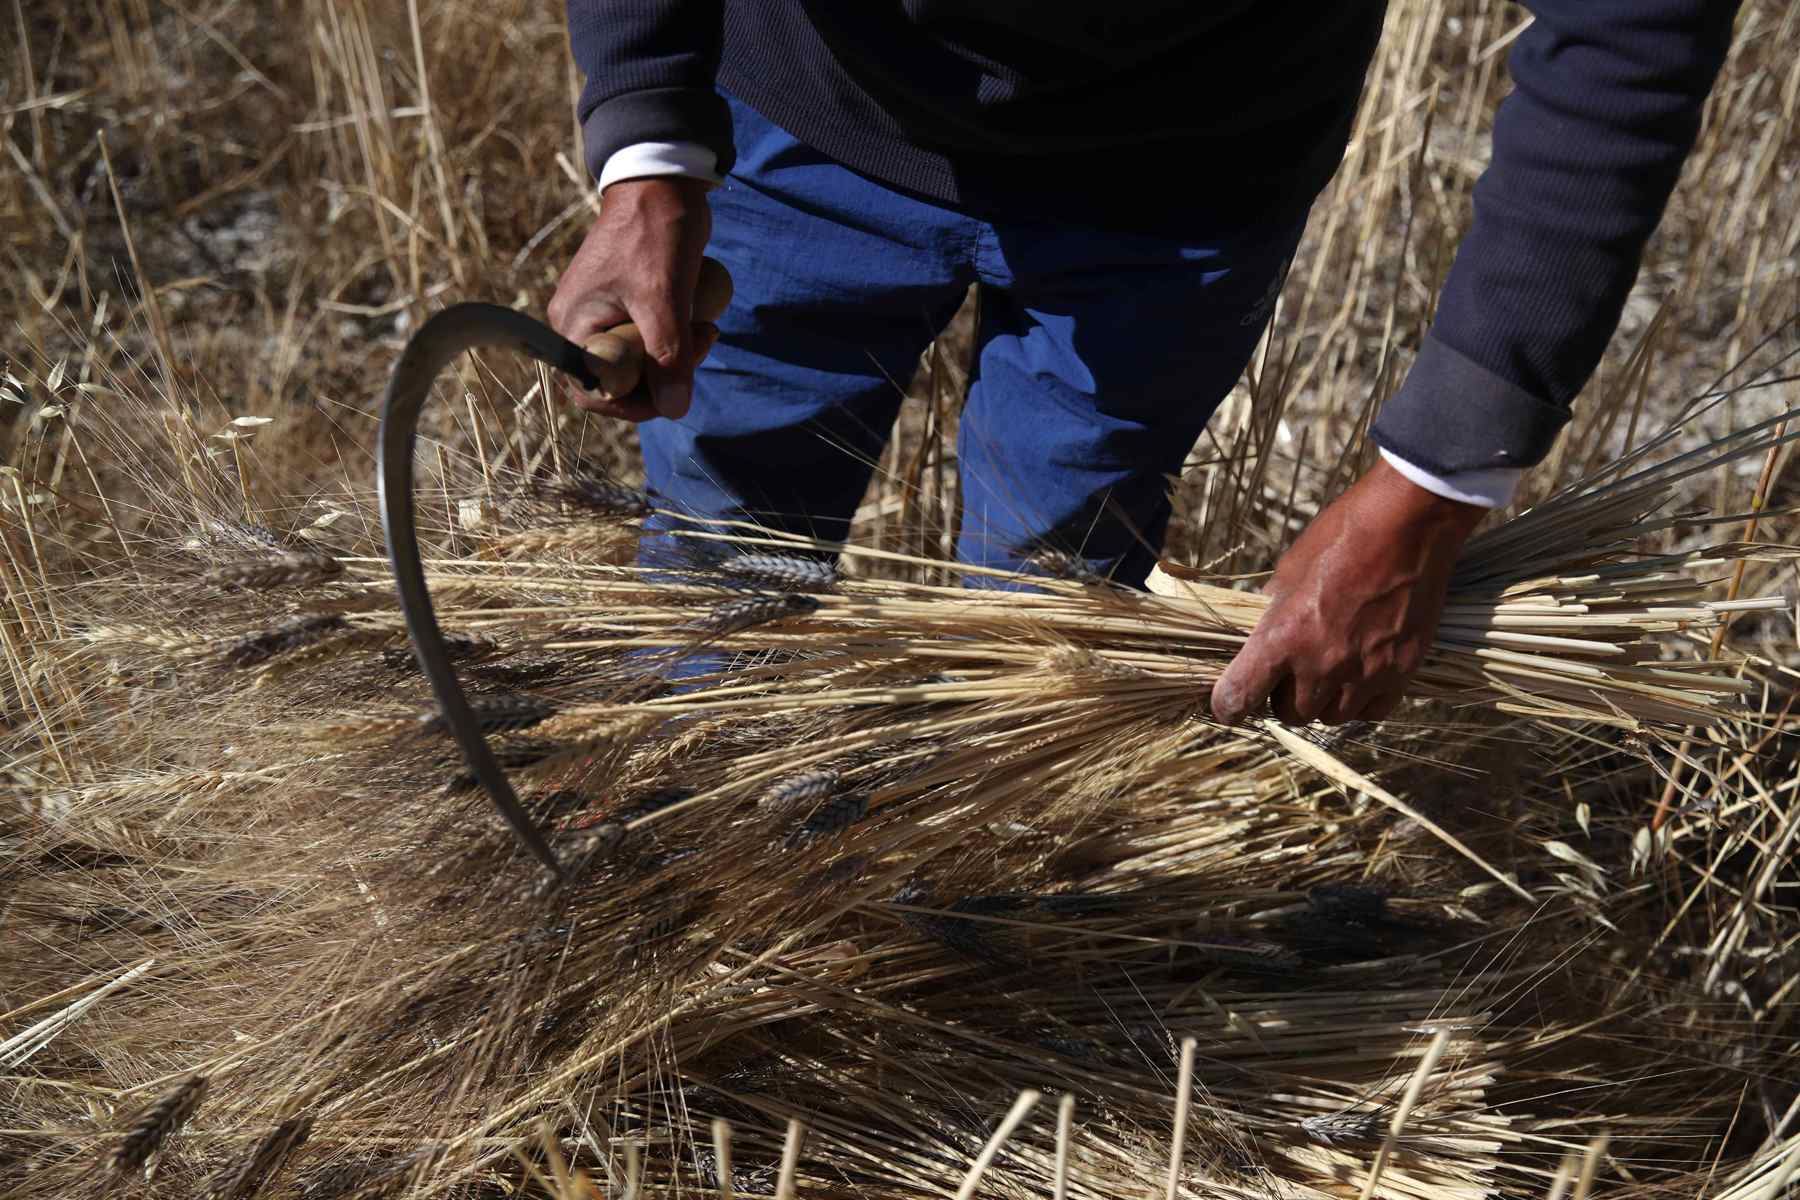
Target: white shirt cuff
647,160
1491,487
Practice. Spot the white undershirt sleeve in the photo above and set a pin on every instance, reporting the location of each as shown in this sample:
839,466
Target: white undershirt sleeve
1491,487
648,160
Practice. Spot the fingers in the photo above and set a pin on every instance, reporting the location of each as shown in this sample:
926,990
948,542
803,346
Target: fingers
637,408
1313,696
1272,670
671,385
663,312
1250,679
579,317
706,336
1285,705
1296,700
1369,700
641,405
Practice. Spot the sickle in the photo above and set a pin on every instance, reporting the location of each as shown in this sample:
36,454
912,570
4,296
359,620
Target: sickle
612,365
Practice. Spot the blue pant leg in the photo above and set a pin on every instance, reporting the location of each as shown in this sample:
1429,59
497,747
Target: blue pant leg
1101,358
840,285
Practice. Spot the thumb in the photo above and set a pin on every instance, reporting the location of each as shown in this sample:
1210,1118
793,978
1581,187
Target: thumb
1249,681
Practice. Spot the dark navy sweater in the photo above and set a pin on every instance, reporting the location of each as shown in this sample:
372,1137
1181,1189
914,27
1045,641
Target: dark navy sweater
1048,110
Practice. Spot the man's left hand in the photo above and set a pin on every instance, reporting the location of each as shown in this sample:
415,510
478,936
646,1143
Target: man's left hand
1356,603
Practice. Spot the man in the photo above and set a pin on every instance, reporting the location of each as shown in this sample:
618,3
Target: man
1127,181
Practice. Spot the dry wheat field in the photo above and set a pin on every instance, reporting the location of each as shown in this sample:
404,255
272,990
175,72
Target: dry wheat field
876,886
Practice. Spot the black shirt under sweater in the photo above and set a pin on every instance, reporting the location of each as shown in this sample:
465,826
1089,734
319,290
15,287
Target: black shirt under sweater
1174,116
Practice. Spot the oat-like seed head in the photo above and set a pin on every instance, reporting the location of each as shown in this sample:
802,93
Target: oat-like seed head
1230,951
1085,904
271,1154
735,616
497,714
1346,1130
252,536
457,646
597,493
782,572
290,568
603,840
832,817
1060,564
155,1124
807,788
282,639
511,758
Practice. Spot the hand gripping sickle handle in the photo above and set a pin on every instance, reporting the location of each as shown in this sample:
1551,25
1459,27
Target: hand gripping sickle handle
612,364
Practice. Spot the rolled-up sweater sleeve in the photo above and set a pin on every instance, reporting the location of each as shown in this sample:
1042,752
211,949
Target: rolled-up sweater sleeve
1606,104
650,67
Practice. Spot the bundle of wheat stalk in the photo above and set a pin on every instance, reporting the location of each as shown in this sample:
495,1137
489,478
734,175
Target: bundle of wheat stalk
885,862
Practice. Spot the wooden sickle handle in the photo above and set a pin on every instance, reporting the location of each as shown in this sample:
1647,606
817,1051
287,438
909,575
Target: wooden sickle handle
619,352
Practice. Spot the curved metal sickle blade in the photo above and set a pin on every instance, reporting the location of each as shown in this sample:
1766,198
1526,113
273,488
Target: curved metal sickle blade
447,334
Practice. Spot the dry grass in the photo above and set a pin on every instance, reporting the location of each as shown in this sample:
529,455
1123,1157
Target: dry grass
921,855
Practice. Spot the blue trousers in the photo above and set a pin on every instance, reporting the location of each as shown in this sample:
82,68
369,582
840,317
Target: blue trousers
1099,358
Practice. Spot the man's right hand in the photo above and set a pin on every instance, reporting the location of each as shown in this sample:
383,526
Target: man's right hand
639,263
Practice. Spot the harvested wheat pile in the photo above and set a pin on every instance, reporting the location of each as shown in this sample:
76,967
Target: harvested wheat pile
865,872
